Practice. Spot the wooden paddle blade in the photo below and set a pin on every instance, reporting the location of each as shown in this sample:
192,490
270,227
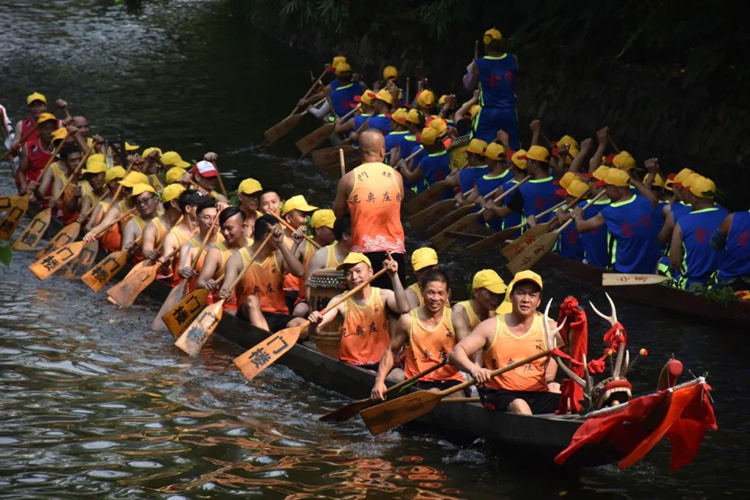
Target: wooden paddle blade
324,157
105,270
85,260
34,232
12,219
7,202
175,295
256,359
491,241
384,417
347,411
66,235
314,138
461,224
447,220
182,314
431,214
201,329
512,249
125,292
49,264
533,253
334,169
622,279
426,198
282,128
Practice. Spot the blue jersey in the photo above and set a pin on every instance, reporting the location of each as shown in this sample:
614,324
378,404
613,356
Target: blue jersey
435,168
497,81
595,242
538,195
699,259
679,209
512,219
397,139
736,261
360,119
467,177
343,98
635,239
488,183
569,243
382,123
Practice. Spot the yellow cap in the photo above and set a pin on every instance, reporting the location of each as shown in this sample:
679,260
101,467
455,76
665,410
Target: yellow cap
297,202
566,179
60,134
36,96
538,153
93,158
489,279
174,174
45,117
438,124
687,181
426,99
617,177
527,275
173,159
323,217
624,160
414,116
150,150
94,167
505,306
141,188
171,192
495,151
601,172
352,259
658,180
703,187
492,34
337,60
423,257
399,116
428,136
441,101
474,110
390,72
131,147
366,98
134,178
572,153
114,173
342,68
568,141
476,146
384,95
577,188
249,186
682,174
519,159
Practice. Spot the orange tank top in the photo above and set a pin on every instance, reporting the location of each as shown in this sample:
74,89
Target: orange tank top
507,348
414,287
196,244
182,238
161,231
332,262
474,320
375,208
427,347
364,335
264,280
308,254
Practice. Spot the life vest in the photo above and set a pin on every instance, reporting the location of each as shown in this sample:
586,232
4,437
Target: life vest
364,335
427,347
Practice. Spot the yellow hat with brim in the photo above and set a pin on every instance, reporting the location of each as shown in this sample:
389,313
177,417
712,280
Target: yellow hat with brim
95,167
390,72
567,178
60,134
688,181
477,147
114,173
658,180
703,187
495,151
141,188
438,124
323,218
150,150
568,141
249,186
426,99
366,98
414,116
173,159
93,158
343,68
385,96
489,279
337,60
490,35
428,136
519,159
353,259
36,96
174,174
297,202
624,160
131,147
576,188
617,177
45,117
572,154
399,116
134,178
538,153
171,192
601,172
423,257
682,175
527,275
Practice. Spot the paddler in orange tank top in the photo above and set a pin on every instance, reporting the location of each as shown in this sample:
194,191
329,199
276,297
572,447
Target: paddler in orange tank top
248,193
260,293
89,190
422,260
372,193
365,332
505,339
427,334
487,289
206,213
111,180
159,227
111,240
329,257
231,224
296,212
188,201
146,201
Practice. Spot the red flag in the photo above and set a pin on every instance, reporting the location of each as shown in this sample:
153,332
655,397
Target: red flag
575,335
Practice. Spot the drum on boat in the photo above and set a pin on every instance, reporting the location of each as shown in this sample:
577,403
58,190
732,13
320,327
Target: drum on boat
324,285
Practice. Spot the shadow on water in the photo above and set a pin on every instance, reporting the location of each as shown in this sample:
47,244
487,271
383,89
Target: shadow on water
94,404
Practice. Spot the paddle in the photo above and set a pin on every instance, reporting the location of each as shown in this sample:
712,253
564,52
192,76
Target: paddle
107,268
257,358
125,292
282,128
30,236
348,411
322,158
178,292
426,198
622,279
314,138
182,314
198,332
83,263
66,235
386,416
6,202
290,228
342,162
49,264
221,182
432,213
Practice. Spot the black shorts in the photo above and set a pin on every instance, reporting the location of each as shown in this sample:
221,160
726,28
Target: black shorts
426,385
539,402
275,321
384,281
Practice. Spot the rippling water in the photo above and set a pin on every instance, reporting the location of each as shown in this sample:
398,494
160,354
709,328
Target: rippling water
94,404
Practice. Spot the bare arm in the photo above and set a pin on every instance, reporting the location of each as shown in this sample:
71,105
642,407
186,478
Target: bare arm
211,265
342,194
675,249
129,235
396,300
584,226
148,244
170,244
665,234
577,163
233,268
112,215
536,131
462,328
602,137
465,350
386,362
22,169
187,252
412,299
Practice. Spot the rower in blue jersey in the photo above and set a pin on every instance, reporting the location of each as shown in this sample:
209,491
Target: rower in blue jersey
366,109
390,76
630,222
677,208
595,242
491,182
516,161
476,167
733,237
395,142
381,119
431,168
496,73
342,96
691,251
426,102
569,243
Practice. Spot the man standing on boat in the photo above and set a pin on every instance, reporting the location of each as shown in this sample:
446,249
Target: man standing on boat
427,334
365,333
505,339
373,193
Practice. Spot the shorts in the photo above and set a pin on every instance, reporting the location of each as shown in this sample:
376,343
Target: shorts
489,120
426,385
275,321
384,281
538,401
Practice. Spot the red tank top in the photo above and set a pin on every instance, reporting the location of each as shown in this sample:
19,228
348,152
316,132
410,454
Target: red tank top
38,158
27,125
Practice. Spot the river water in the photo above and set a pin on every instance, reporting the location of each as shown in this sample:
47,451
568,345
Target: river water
93,404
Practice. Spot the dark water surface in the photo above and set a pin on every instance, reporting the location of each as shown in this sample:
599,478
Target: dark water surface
93,404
